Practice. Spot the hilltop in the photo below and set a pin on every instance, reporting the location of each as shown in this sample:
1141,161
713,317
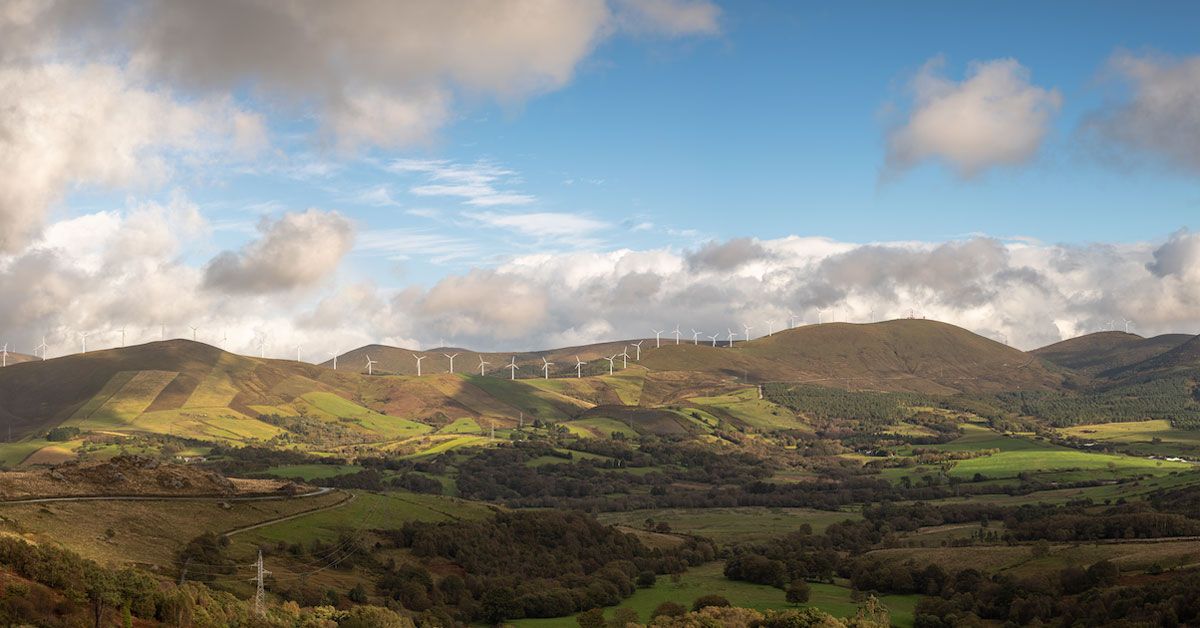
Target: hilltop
1100,352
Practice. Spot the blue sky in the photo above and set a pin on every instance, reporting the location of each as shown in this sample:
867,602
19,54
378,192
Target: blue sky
408,163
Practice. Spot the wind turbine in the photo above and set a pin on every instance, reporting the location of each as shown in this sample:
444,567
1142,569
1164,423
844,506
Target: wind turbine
792,320
512,368
370,366
4,355
578,367
297,353
546,367
122,330
747,328
610,364
714,339
451,360
676,332
334,355
638,346
83,339
657,338
262,346
193,328
695,336
1127,324
625,357
42,347
731,335
418,358
482,366
770,327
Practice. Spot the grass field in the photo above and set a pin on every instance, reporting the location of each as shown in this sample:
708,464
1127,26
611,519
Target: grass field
387,427
1151,437
461,426
313,471
727,525
707,579
598,428
1082,465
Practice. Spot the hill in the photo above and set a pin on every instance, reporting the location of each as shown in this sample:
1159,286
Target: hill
1093,354
1183,359
17,358
899,355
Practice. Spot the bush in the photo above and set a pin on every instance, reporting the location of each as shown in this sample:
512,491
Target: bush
712,599
798,592
668,609
646,579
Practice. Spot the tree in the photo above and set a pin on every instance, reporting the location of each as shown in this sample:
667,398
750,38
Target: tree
622,617
798,592
712,599
668,609
593,618
499,605
646,579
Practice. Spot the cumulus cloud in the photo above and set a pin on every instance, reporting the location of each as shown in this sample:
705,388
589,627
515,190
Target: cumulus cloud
994,117
500,305
1160,114
296,251
727,255
69,125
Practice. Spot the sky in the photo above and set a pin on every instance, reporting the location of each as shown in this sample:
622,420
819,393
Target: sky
530,174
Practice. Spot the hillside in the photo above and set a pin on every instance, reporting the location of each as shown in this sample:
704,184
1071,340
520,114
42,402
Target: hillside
1093,354
900,355
1183,359
401,361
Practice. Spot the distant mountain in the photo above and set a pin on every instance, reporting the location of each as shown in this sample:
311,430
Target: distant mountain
1183,359
899,355
1108,351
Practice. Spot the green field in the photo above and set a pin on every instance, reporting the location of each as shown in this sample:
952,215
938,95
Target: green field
1067,465
1151,437
387,427
313,471
598,428
728,525
707,579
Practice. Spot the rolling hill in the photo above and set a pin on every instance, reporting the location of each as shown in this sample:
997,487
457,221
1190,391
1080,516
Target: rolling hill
1101,352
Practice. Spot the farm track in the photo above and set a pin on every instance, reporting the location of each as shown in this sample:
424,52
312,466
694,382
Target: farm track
262,524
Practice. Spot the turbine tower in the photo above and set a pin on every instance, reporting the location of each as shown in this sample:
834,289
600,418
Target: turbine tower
83,339
297,353
625,357
731,335
512,368
482,366
747,328
370,366
714,339
546,367
676,332
334,355
42,347
638,347
451,360
193,328
792,321
4,355
695,336
610,364
418,358
262,346
770,327
578,367
657,338
1127,324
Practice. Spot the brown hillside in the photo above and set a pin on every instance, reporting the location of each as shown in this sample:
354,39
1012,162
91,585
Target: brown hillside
1092,354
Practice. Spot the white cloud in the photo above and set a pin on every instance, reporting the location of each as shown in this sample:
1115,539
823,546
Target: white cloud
477,183
541,224
994,117
1160,115
66,126
296,251
672,17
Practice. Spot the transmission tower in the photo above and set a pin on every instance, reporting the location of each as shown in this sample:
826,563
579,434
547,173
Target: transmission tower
260,596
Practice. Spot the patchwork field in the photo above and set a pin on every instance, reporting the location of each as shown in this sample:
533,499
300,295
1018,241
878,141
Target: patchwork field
729,525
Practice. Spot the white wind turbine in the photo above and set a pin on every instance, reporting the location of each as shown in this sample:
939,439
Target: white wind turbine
747,328
193,328
370,366
546,368
676,332
4,355
512,368
43,347
625,357
1127,324
792,320
122,330
638,346
770,327
731,335
482,366
657,338
297,353
578,367
610,364
334,355
262,346
695,336
418,358
83,339
714,339
451,360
